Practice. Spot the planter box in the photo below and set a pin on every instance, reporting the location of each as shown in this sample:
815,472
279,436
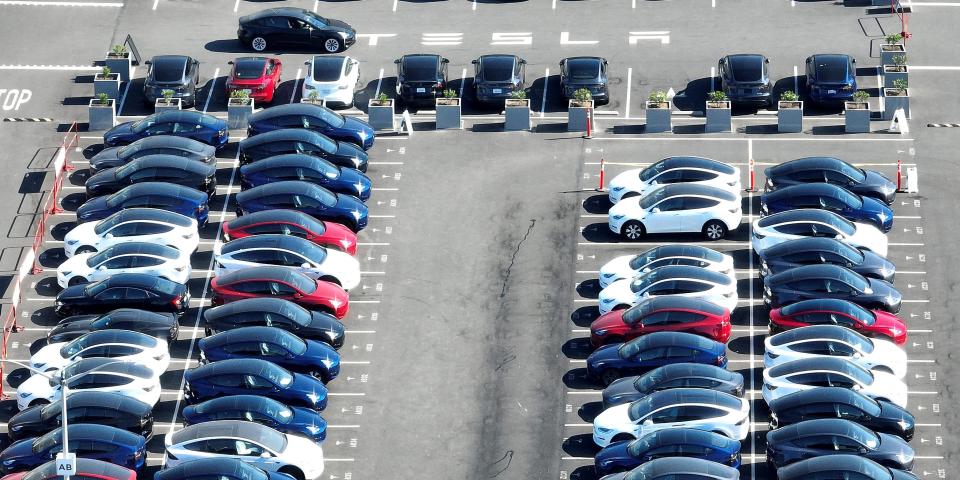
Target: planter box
659,117
789,117
380,116
102,117
162,104
890,74
448,114
718,117
892,102
109,85
856,120
120,65
890,50
578,115
516,114
239,111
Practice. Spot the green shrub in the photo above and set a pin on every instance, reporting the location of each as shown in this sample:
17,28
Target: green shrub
105,72
241,94
313,95
717,96
789,96
103,98
899,59
894,38
449,93
518,94
860,96
119,50
582,95
167,94
900,84
383,98
657,96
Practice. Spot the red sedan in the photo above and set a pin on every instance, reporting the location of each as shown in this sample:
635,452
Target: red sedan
260,76
280,282
871,323
670,313
292,222
85,468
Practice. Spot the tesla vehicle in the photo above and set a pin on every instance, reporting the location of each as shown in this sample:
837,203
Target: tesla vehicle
253,376
814,222
301,421
421,78
842,467
291,223
671,170
831,77
835,341
811,282
640,355
123,290
314,117
838,402
585,72
131,257
93,375
151,225
631,266
671,442
678,280
827,311
496,77
674,375
276,345
218,467
299,166
165,196
101,408
84,468
299,254
868,183
120,345
159,325
86,440
275,312
154,168
332,78
832,436
179,74
305,197
111,157
822,250
280,282
179,123
302,140
678,208
745,79
830,197
670,313
294,27
816,372
674,468
259,77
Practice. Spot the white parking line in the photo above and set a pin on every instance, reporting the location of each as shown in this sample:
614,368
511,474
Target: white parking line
463,73
51,67
626,113
25,3
236,5
296,82
379,81
546,82
655,244
126,90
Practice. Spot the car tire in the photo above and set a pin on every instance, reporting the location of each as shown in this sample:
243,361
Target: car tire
628,195
331,279
332,45
613,339
622,306
609,376
259,44
319,375
76,281
633,230
38,402
293,472
714,230
84,249
622,437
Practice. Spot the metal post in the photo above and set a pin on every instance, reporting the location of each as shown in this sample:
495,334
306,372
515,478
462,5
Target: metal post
63,422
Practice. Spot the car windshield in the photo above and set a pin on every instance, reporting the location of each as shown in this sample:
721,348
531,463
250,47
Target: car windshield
640,408
327,69
832,70
858,175
583,69
141,125
641,283
106,224
165,286
248,69
126,150
48,441
496,69
850,199
653,198
650,379
639,261
95,288
292,344
99,258
653,170
746,68
50,411
278,376
631,350
321,21
420,69
862,435
641,445
118,198
168,70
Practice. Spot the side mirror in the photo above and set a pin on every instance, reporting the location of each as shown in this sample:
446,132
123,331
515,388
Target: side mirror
445,60
523,62
648,422
307,63
766,60
148,62
265,455
230,62
854,60
101,268
474,62
655,210
298,295
304,265
108,236
397,61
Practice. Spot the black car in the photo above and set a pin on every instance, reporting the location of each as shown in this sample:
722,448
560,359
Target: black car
745,79
496,77
314,117
838,402
831,436
585,72
160,325
220,468
868,183
676,375
275,312
822,250
831,77
841,467
678,468
829,281
103,408
177,73
154,168
294,27
124,290
159,145
300,140
265,411
421,78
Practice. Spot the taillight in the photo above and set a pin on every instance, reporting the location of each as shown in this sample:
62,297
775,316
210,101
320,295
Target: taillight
440,85
176,302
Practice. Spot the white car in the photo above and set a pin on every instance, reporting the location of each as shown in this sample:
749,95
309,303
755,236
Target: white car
93,374
333,78
631,266
123,345
131,257
303,255
835,341
815,372
134,225
697,408
253,443
699,170
813,222
687,281
678,208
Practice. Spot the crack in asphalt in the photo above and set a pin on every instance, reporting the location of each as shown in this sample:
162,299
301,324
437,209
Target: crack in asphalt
508,456
513,258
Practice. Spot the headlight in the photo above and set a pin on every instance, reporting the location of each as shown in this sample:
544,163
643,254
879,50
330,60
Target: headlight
59,303
604,431
16,428
600,332
616,189
72,242
38,366
23,395
309,87
65,274
343,35
9,463
617,217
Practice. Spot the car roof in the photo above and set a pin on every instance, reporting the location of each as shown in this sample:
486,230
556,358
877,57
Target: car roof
831,58
690,272
826,463
808,244
84,467
816,395
146,248
246,366
186,116
223,428
255,273
289,109
246,402
173,161
142,280
420,60
173,141
110,400
817,332
666,339
152,214
296,187
213,467
675,302
672,436
806,163
295,134
680,467
687,161
818,188
95,431
821,304
696,189
118,336
277,306
288,160
805,272
108,365
822,426
673,396
164,188
681,370
801,215
821,363
280,215
270,241
274,12
170,61
499,58
254,61
246,334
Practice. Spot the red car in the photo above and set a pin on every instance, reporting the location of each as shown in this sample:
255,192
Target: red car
292,222
670,313
260,76
280,282
85,468
871,323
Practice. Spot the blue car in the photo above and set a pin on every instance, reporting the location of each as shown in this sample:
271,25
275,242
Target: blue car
314,358
262,410
240,376
220,468
669,442
841,466
653,350
299,166
830,197
179,123
87,440
165,196
305,197
299,140
831,77
677,468
312,117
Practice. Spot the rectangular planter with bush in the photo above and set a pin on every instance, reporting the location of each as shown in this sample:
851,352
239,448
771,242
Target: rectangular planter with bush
448,111
579,111
380,112
166,102
896,97
119,62
107,82
789,113
239,110
102,113
659,113
856,114
894,47
516,112
718,113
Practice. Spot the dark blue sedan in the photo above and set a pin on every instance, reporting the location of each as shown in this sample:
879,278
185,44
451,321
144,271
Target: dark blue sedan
299,140
87,440
180,123
645,353
240,376
830,197
674,468
298,166
869,183
831,436
220,468
165,196
276,345
831,77
669,442
312,117
305,197
262,410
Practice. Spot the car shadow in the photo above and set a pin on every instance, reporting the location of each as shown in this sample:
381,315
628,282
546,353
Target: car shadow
553,102
44,317
589,288
693,97
589,411
584,316
578,379
597,204
47,287
212,99
577,348
580,446
742,345
52,257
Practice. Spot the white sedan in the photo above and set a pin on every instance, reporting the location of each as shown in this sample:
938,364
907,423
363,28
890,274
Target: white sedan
303,255
835,341
813,222
703,171
631,266
132,257
678,208
122,345
332,78
695,282
134,225
249,442
131,379
816,372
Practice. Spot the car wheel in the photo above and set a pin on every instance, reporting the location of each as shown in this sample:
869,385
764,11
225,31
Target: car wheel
628,195
293,472
609,376
38,401
319,376
714,230
881,368
332,45
328,278
613,339
633,230
76,281
622,437
258,43
84,249
622,306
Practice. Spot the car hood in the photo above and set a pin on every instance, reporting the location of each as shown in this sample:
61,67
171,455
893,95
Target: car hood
38,386
604,354
872,261
75,263
349,150
893,446
309,387
351,204
873,206
878,181
607,321
328,326
29,417
618,291
75,292
630,207
101,177
616,418
341,262
91,206
612,270
622,387
615,452
323,353
107,154
888,412
120,130
339,25
884,292
48,357
309,419
73,327
356,124
354,177
80,232
18,450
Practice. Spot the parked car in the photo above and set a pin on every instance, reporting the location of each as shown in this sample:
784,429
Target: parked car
811,282
496,77
154,168
111,157
333,78
305,197
86,440
867,183
258,409
831,311
832,436
219,467
93,375
100,408
830,197
159,325
259,77
676,280
130,257
837,402
672,467
834,341
831,77
814,222
817,372
83,468
674,375
823,250
291,223
120,345
745,79
165,196
320,119
295,27
124,290
668,409
275,312
179,123
841,466
680,208
669,313
643,354
279,346
421,78
134,225
280,282
668,443
632,266
299,166
637,182
585,72
252,376
301,140
302,255
179,74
